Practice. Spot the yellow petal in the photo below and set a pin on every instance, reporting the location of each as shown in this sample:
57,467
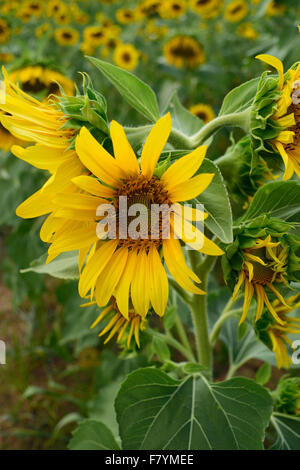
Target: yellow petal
191,188
140,291
123,151
159,287
276,63
184,168
154,144
110,277
92,186
122,289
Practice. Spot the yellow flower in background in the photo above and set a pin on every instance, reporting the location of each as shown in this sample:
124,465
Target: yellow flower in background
34,7
203,111
55,7
246,30
63,18
184,51
6,57
206,8
4,31
265,265
125,264
287,116
171,9
42,29
126,15
126,56
94,35
275,9
148,8
66,36
236,11
278,333
119,325
37,79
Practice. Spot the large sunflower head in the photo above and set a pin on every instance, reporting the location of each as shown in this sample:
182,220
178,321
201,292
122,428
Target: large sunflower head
275,116
184,51
123,257
275,334
263,260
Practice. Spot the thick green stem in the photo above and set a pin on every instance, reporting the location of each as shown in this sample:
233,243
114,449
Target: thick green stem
198,310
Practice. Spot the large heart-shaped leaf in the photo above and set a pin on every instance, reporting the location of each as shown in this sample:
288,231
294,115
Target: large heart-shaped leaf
155,411
240,98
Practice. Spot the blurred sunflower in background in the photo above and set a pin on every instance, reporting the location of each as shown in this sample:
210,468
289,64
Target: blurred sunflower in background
66,36
4,31
236,11
204,112
126,56
184,51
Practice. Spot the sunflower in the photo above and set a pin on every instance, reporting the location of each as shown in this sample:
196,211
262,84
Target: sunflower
127,263
63,18
126,15
131,325
42,29
66,36
94,35
184,51
236,11
203,111
246,30
42,124
171,9
274,9
37,79
148,8
55,7
126,56
34,7
4,31
265,264
6,57
205,7
278,333
287,116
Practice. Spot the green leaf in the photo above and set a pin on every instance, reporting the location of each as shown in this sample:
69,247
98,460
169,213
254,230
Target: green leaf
137,93
92,435
263,374
160,348
155,411
240,98
65,266
182,119
288,432
216,202
279,199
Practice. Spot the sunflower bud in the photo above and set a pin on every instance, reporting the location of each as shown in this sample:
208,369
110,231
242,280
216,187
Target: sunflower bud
287,396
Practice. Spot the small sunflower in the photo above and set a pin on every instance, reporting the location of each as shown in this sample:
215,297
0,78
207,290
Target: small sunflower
275,9
4,31
41,80
205,7
126,264
275,334
66,36
236,11
94,35
171,9
119,325
203,111
34,7
184,51
55,7
148,8
247,31
265,264
126,15
286,116
126,56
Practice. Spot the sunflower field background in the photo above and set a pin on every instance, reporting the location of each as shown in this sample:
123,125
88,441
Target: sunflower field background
211,87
